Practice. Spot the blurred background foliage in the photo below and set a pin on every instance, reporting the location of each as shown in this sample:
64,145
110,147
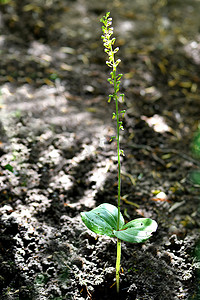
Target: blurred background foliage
195,147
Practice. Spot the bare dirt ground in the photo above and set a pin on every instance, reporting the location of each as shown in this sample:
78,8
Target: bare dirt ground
55,127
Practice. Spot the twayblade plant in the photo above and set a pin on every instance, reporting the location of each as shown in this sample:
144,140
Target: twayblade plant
106,219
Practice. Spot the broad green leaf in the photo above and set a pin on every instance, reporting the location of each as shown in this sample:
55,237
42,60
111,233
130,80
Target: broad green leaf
195,177
102,219
136,231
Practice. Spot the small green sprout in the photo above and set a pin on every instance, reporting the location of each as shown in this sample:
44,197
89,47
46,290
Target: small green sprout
9,168
106,219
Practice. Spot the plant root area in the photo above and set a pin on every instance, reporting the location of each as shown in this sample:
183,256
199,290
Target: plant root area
57,160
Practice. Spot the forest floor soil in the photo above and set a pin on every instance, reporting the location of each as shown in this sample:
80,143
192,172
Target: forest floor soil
56,158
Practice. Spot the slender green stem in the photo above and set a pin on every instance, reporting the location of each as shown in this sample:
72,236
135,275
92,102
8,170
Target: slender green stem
119,181
118,149
115,96
118,263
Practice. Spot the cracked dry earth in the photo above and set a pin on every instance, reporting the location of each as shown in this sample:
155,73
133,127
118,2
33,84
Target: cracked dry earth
56,137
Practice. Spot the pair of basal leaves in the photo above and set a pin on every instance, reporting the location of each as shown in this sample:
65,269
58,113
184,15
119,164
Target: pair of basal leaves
103,220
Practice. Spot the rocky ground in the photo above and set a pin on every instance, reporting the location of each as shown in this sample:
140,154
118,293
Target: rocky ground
56,158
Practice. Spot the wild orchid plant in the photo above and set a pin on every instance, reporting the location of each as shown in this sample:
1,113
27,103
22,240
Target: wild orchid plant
106,219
